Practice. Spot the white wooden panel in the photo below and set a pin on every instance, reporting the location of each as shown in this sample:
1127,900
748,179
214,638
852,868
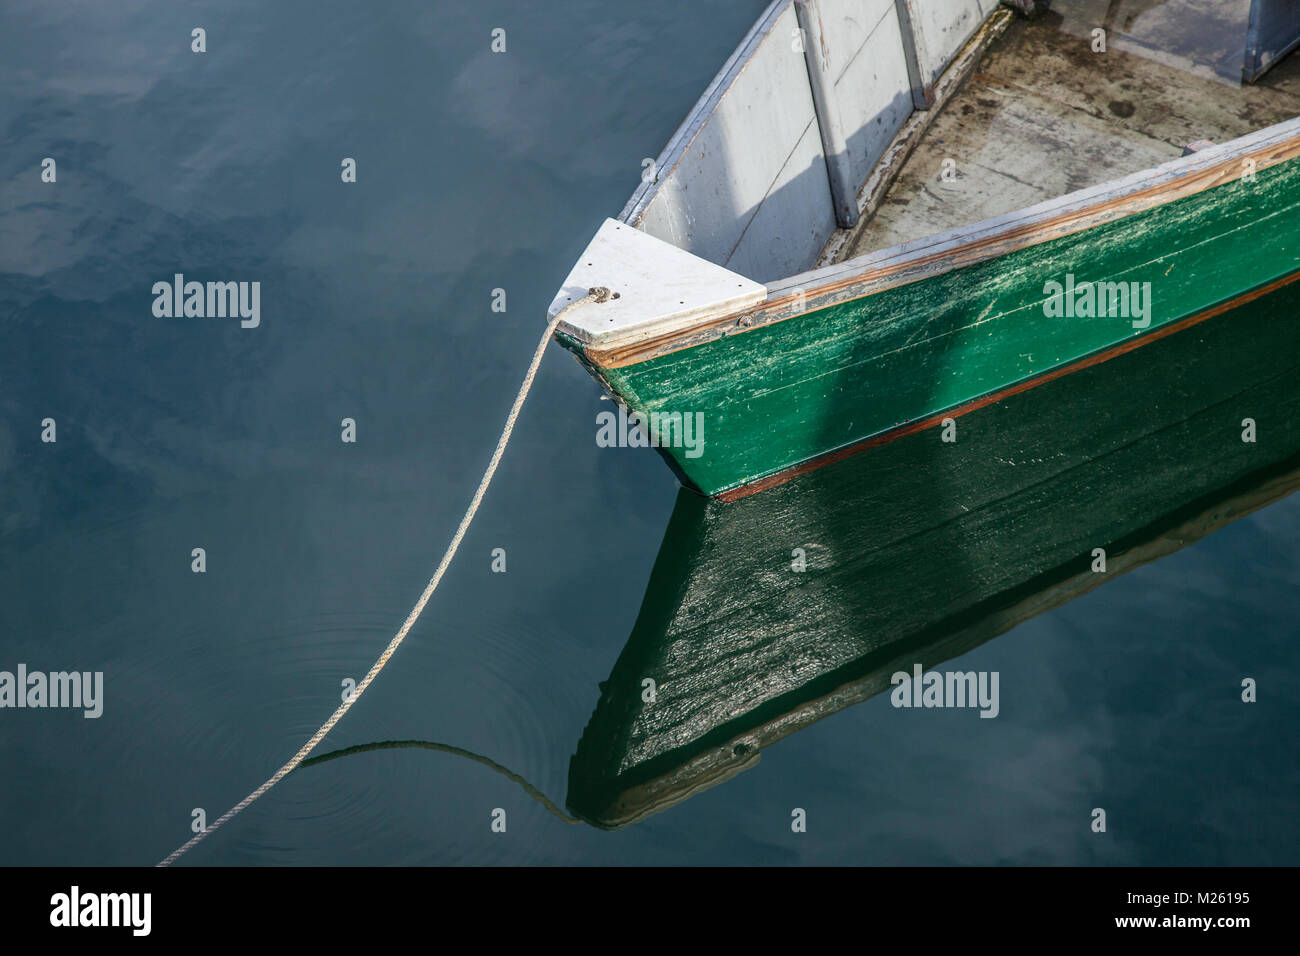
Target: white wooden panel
874,96
658,287
744,184
942,27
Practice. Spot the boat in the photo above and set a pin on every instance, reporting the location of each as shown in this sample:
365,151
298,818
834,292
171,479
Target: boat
765,615
885,215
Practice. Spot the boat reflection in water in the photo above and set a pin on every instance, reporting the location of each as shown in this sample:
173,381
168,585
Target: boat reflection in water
919,550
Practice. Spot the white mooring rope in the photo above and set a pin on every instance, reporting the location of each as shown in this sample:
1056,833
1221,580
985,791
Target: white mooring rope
599,294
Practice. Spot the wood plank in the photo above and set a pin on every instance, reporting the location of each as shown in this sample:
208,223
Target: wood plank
654,286
1010,149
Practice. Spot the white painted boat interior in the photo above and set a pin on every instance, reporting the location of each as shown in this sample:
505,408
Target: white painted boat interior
822,90
1043,115
743,183
850,130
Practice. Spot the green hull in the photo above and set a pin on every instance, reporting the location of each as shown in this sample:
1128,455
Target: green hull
919,551
781,396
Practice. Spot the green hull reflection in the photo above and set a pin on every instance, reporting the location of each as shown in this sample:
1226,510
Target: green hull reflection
922,550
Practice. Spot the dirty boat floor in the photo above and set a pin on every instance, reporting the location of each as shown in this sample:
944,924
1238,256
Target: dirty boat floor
1042,115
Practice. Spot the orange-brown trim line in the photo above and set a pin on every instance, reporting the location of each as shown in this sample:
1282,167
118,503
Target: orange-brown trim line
884,438
1012,239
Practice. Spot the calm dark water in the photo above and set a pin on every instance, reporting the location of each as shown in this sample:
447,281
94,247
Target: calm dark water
476,171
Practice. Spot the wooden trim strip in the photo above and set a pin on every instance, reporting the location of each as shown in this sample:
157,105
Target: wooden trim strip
1096,358
936,255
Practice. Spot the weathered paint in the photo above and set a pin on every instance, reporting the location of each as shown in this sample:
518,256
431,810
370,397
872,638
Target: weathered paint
821,79
745,182
931,102
922,551
862,51
1274,31
782,394
941,27
1043,116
